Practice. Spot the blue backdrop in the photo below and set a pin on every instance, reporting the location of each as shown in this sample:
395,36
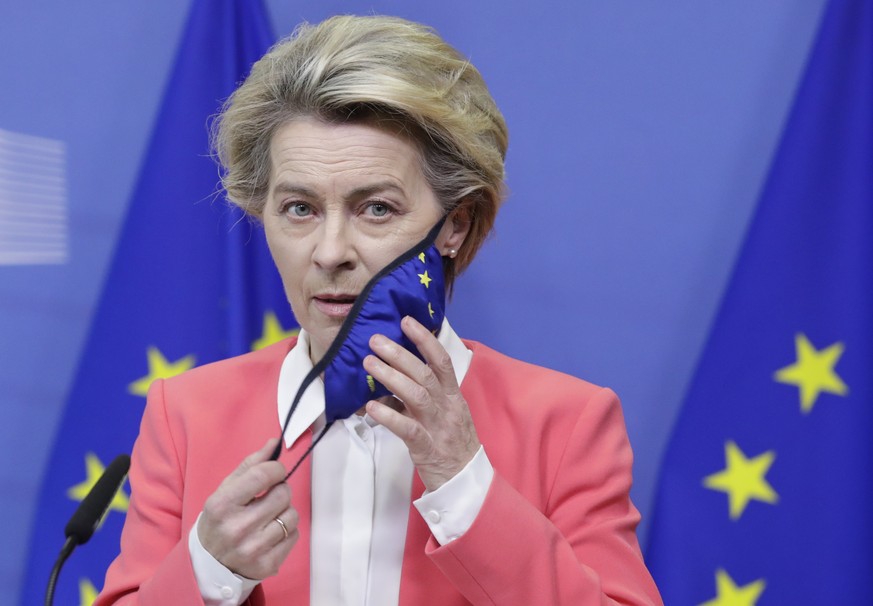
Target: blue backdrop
640,137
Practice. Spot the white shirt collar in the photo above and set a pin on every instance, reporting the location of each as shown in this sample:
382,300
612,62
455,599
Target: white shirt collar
297,365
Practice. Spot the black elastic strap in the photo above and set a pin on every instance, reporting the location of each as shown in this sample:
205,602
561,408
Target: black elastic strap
308,450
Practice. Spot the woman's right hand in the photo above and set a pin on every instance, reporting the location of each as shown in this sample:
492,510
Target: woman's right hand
238,526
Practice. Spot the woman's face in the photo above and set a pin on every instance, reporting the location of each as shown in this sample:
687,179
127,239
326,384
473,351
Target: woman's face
344,201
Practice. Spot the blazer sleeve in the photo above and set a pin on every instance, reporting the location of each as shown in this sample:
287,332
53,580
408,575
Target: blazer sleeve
154,567
582,549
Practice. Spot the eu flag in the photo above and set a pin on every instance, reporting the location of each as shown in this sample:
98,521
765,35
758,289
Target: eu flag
766,493
191,282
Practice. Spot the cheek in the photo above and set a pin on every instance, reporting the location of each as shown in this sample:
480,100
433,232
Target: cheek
292,283
377,254
287,259
290,269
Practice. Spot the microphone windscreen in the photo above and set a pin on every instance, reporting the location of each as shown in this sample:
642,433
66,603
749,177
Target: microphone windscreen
83,523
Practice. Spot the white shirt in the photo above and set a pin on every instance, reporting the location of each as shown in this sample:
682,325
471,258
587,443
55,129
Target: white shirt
361,488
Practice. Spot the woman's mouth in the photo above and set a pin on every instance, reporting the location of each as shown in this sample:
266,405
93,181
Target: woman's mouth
334,306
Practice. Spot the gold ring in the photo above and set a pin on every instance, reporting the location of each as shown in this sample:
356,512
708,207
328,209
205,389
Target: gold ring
282,524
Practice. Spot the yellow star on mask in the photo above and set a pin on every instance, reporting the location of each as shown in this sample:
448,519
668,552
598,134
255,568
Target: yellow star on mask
272,332
159,368
93,470
743,479
813,372
430,309
728,594
425,279
87,592
421,257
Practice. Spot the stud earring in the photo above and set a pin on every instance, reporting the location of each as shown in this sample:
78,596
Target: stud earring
452,253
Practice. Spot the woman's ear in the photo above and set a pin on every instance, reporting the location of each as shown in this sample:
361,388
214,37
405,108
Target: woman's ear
455,231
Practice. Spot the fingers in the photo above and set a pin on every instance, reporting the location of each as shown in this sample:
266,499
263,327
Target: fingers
254,491
254,476
261,553
411,381
437,370
238,524
436,424
270,505
410,390
259,456
407,429
267,562
437,358
286,531
251,524
256,457
422,387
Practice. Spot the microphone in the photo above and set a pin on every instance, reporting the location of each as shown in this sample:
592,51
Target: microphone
88,516
96,503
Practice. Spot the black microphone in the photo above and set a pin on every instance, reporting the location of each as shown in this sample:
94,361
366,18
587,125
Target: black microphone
95,504
87,517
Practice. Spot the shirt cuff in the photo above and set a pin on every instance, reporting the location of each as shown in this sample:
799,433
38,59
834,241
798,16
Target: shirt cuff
218,585
451,509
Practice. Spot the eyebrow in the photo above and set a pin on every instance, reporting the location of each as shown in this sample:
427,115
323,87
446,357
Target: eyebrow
288,188
356,193
367,190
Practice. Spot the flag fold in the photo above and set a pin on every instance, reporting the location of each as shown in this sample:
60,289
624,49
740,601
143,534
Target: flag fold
767,484
191,282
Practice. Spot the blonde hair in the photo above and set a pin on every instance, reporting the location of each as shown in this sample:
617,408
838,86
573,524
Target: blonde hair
381,69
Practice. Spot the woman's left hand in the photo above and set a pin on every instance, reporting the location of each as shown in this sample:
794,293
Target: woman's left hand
435,424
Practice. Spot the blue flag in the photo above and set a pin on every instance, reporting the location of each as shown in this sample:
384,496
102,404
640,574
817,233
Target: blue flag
191,282
766,492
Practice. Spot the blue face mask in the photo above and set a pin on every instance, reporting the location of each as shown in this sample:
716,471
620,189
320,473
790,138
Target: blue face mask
411,285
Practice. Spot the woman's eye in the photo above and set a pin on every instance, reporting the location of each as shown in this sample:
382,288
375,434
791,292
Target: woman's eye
377,209
299,209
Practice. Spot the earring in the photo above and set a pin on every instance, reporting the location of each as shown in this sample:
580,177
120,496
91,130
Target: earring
452,253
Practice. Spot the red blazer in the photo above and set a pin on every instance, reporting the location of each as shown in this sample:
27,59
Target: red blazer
557,525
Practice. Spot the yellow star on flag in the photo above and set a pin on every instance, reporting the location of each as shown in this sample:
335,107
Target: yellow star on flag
272,332
813,372
159,368
743,479
421,257
430,309
93,470
728,594
87,592
371,383
425,279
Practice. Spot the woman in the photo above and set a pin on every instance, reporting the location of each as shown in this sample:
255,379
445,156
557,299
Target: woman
486,480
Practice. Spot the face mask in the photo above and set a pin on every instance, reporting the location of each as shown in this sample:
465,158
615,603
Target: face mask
411,285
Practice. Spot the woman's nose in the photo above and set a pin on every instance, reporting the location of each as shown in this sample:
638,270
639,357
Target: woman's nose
334,248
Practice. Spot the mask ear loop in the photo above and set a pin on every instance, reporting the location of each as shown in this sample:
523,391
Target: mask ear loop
340,338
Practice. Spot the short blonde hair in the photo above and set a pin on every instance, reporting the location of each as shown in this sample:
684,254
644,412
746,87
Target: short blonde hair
381,69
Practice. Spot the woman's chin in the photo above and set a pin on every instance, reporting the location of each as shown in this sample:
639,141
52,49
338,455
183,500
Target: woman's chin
321,338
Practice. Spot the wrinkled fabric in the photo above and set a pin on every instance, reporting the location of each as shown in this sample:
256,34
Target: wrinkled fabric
416,288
